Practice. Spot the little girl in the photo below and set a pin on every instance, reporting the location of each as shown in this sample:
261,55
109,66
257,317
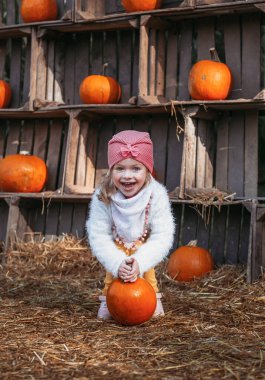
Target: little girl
130,225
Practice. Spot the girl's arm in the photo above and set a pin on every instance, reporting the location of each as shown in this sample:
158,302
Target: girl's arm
100,237
161,237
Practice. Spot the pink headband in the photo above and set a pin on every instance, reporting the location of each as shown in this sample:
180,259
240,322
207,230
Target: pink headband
131,144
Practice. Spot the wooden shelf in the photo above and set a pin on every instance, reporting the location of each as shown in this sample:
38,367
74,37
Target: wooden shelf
196,107
49,196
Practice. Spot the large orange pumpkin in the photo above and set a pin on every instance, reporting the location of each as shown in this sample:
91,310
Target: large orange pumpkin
210,80
141,5
188,262
131,303
5,94
38,10
99,89
21,173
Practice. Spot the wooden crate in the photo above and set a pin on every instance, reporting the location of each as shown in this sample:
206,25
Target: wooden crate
222,154
10,11
15,56
60,65
86,158
35,220
169,49
44,138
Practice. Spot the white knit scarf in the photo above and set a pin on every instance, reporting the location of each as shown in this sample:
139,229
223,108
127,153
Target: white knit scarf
128,214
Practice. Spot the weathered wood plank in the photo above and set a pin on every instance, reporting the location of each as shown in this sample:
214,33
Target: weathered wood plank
251,154
218,235
250,55
50,71
210,155
15,71
201,153
13,138
185,49
78,221
159,137
232,27
69,64
41,138
236,155
105,134
205,37
233,234
27,136
125,64
161,64
143,62
244,236
52,221
174,155
3,49
81,159
53,154
172,66
190,225
152,62
82,64
222,153
65,218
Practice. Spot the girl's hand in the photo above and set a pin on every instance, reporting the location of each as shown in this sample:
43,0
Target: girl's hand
129,270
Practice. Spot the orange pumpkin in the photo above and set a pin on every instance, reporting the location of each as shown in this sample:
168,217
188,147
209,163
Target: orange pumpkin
131,303
188,262
5,94
38,10
141,5
99,89
22,173
210,80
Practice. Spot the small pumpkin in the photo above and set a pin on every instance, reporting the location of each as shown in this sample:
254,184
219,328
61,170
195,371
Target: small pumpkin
22,173
38,10
131,303
99,89
210,79
5,94
141,5
188,262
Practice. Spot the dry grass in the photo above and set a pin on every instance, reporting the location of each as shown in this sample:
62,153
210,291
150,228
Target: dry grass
214,328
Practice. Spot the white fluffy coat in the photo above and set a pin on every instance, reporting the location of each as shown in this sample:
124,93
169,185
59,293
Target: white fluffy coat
156,248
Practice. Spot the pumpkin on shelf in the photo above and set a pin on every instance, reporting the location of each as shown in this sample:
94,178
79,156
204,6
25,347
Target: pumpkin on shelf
5,94
38,10
189,262
99,89
131,303
210,79
141,5
22,173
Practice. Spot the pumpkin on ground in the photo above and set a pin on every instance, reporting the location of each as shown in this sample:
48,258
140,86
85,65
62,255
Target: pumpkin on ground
189,262
22,173
5,94
99,89
210,79
38,10
131,303
141,5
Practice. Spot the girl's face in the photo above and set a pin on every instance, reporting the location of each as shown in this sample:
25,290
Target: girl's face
129,176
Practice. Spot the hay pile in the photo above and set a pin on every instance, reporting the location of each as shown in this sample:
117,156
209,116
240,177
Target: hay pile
214,328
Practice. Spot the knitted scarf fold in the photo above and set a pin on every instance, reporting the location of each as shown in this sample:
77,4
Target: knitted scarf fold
128,214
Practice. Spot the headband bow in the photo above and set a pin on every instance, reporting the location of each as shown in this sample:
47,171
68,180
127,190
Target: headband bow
129,150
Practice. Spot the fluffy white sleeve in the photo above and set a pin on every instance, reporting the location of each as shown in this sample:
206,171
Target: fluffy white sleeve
100,238
162,232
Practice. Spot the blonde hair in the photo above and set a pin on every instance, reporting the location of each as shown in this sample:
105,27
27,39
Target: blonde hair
107,187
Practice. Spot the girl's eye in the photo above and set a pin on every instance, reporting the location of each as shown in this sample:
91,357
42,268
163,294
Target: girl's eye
136,168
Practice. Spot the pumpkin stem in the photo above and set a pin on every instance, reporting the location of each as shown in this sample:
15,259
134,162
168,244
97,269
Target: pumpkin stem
104,67
214,55
24,152
192,243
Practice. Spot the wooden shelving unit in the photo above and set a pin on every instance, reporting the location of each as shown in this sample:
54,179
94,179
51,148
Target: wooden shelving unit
197,143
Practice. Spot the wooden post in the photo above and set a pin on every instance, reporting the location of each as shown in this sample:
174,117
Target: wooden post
16,225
